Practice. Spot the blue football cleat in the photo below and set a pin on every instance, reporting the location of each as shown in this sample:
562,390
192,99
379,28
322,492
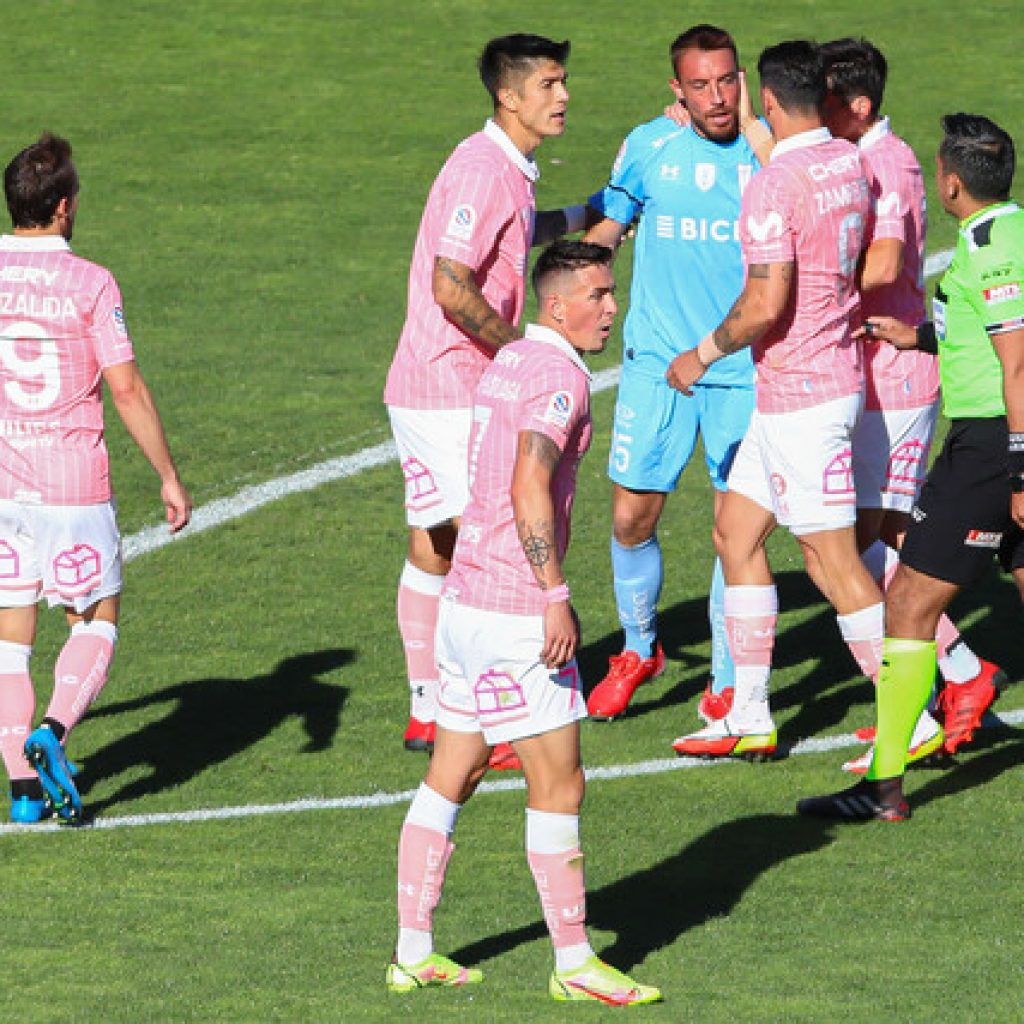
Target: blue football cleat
44,752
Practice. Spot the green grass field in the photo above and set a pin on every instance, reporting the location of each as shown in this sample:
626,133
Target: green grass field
253,173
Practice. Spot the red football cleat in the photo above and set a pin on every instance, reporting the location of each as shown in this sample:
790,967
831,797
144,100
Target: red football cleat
964,704
420,735
626,671
504,759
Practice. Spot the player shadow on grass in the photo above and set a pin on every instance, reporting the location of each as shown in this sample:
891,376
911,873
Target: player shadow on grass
988,756
212,720
706,879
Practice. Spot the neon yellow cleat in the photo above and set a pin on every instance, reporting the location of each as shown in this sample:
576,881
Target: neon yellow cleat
599,982
434,971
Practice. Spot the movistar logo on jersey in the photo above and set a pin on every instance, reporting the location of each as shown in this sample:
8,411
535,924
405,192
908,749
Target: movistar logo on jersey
763,229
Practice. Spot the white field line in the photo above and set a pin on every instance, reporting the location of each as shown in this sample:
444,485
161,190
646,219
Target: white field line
223,510
820,745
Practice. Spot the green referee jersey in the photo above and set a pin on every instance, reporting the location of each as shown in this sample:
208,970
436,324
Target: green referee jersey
980,296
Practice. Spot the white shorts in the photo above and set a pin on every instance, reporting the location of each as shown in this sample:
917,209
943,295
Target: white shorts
433,448
799,465
492,681
69,554
890,455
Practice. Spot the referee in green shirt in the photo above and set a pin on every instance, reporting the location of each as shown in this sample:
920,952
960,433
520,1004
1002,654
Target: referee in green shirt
971,506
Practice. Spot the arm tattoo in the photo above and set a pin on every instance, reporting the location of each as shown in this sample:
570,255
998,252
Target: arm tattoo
469,309
540,447
538,544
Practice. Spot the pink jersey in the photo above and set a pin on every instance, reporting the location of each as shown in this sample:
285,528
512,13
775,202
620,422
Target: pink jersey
538,383
480,213
809,206
61,325
895,379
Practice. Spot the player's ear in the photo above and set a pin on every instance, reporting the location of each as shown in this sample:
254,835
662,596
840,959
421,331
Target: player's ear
861,106
677,89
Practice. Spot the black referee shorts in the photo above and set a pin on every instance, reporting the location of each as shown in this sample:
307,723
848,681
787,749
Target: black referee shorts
962,516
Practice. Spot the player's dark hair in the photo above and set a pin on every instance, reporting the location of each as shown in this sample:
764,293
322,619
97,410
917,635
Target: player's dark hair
795,73
510,56
37,179
980,153
567,254
701,37
853,67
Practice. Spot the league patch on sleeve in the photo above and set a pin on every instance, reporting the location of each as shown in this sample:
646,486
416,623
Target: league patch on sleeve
559,409
462,222
119,325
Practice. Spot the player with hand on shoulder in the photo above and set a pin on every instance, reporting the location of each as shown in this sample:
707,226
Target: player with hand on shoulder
507,636
802,228
466,291
685,184
62,338
972,503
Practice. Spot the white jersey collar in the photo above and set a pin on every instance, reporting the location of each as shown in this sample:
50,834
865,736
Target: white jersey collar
34,243
813,137
537,332
499,136
876,132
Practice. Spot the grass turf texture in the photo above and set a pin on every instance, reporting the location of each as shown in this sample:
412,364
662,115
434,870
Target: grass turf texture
254,173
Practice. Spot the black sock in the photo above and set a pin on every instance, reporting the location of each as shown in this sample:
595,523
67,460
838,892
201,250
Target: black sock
56,728
32,788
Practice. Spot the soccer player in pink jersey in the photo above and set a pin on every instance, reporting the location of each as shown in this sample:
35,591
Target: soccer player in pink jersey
507,635
802,227
892,440
62,336
466,291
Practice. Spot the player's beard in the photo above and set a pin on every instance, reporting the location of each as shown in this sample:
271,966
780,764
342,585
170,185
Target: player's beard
719,135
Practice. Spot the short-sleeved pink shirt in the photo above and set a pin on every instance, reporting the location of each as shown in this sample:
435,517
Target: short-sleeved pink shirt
897,379
480,213
538,383
810,205
61,325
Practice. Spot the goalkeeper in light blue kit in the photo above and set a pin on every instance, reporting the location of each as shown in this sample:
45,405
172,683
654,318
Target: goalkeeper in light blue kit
685,185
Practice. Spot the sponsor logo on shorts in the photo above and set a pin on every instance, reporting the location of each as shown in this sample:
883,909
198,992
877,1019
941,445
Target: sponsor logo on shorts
559,409
983,539
1002,293
9,563
420,488
462,222
77,568
837,480
498,694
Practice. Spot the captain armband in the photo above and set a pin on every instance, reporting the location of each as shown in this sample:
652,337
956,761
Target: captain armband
927,339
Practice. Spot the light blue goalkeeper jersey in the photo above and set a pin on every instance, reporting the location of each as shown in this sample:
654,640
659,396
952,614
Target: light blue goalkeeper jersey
687,266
